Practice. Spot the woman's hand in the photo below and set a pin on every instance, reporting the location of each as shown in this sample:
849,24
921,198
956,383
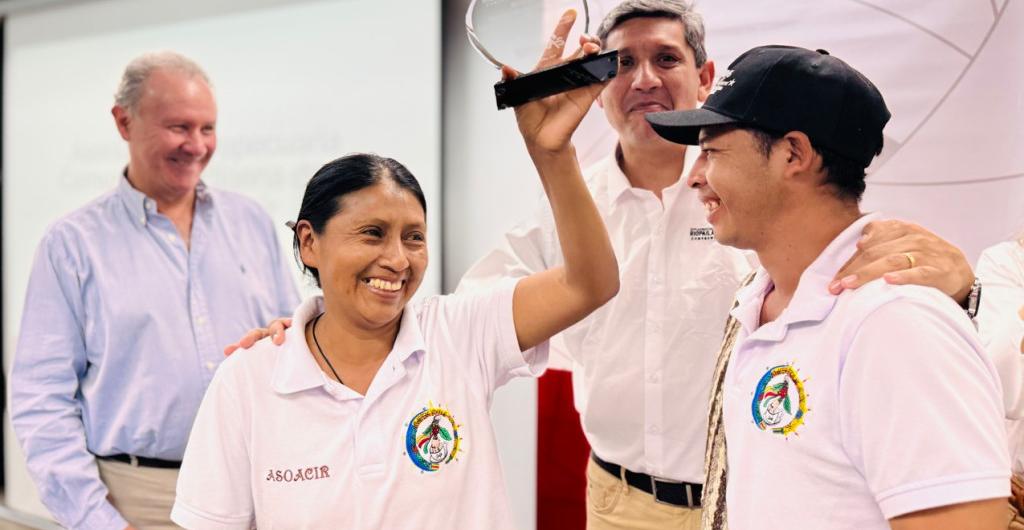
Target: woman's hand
547,302
547,124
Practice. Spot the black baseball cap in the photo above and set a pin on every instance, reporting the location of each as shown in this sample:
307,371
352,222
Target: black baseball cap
785,88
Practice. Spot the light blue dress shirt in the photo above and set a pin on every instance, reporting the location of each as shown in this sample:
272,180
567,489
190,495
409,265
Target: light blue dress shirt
123,328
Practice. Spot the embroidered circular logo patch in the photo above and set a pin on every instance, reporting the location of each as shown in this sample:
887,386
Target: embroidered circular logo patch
780,402
432,438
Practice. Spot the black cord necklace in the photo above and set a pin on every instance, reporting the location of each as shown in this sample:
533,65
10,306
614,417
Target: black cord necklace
319,349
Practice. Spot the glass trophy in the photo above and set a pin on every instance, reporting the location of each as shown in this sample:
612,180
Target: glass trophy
516,33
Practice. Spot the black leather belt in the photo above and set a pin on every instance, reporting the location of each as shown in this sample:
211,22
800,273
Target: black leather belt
664,491
141,461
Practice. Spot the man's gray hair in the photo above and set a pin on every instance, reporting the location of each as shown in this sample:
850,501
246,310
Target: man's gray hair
681,10
129,92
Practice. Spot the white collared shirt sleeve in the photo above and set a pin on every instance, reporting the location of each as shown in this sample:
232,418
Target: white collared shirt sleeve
1001,270
910,364
49,363
213,491
481,326
531,247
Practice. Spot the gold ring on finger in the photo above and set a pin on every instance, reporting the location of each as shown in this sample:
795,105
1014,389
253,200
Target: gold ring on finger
910,258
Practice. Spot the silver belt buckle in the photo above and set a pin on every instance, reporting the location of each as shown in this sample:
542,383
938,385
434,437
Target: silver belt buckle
654,491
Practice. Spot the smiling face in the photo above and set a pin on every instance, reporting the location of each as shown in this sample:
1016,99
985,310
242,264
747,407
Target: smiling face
171,134
371,255
738,185
657,72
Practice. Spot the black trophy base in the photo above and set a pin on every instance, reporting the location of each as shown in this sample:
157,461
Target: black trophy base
557,79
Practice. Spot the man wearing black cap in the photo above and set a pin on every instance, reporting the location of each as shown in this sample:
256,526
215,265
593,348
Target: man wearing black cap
878,407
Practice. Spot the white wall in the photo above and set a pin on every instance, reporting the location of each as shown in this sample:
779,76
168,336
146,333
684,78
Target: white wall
952,74
298,83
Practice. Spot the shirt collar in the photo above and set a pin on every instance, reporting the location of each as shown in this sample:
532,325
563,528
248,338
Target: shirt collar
812,301
296,369
618,184
616,181
203,193
140,207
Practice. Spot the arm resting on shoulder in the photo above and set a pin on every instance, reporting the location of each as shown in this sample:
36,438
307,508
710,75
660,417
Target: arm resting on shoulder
883,252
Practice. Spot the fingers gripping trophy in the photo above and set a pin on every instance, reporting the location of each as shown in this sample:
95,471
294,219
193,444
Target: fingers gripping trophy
511,33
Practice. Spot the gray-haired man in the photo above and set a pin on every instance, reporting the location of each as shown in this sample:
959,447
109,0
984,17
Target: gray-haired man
129,302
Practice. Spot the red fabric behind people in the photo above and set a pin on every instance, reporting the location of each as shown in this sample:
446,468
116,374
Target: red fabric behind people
562,453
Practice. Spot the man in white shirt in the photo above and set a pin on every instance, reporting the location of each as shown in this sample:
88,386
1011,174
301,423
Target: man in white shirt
875,409
644,361
1001,325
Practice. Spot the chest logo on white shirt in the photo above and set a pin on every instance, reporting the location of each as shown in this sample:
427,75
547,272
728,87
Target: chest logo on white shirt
780,401
432,438
702,234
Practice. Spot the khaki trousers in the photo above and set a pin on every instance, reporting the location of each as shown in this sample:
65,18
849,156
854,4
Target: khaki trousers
614,505
143,495
1016,522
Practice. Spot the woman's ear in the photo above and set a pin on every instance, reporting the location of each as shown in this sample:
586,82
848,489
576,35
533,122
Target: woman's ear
308,244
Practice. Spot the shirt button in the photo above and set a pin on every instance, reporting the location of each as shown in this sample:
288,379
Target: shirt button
654,377
171,238
200,321
210,365
654,429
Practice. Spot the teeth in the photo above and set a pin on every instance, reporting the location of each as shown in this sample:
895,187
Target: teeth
384,285
711,205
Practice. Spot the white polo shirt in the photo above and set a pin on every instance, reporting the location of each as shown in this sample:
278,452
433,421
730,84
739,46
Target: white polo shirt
277,444
642,362
1001,269
848,411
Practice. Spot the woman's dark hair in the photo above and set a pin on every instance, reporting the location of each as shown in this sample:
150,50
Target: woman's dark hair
340,177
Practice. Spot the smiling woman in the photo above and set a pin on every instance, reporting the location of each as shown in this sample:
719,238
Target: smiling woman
381,391
362,236
374,412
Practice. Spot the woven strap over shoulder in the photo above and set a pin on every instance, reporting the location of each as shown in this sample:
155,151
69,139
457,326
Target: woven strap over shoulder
715,465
